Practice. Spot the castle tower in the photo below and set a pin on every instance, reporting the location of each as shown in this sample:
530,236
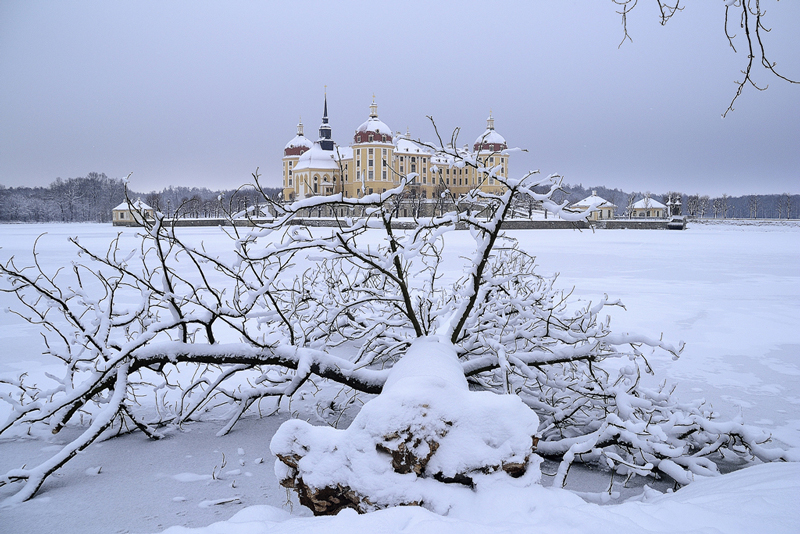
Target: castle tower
490,146
373,153
295,148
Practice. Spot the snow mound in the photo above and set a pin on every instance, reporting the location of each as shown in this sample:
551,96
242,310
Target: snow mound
425,440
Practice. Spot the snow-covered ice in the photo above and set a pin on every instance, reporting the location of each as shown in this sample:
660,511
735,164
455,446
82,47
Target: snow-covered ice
732,293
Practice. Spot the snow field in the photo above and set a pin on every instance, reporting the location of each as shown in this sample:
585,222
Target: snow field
731,293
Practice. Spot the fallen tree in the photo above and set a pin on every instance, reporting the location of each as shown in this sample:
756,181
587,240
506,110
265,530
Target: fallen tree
196,330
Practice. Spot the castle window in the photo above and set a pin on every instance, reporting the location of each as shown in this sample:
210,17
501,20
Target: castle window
370,163
384,151
383,138
370,175
413,167
290,172
384,176
370,151
358,139
371,138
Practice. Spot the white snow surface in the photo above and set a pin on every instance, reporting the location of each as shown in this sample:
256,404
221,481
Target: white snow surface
731,292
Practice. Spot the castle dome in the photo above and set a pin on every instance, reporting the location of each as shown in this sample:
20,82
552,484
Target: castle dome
298,144
374,127
490,140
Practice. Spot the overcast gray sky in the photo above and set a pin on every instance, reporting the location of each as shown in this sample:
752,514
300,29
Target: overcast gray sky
203,93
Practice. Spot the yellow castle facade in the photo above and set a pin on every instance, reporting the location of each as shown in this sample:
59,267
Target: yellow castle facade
377,160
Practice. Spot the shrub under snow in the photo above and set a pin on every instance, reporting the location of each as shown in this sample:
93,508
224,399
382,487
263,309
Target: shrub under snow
423,440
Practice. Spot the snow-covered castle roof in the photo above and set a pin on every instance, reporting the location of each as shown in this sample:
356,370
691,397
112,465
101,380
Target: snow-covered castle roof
490,140
373,125
298,144
404,145
317,158
136,205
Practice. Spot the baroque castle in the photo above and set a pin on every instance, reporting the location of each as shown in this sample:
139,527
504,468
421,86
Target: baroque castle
378,158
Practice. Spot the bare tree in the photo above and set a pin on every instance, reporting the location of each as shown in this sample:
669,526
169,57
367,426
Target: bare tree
748,15
629,205
155,201
752,206
787,202
703,205
725,205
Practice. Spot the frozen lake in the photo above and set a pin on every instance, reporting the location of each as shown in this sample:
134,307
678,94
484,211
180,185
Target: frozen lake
731,293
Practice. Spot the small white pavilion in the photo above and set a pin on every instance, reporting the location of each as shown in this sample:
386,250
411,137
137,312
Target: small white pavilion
600,207
131,214
648,207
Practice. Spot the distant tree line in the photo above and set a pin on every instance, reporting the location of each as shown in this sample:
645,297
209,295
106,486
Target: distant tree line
775,206
91,199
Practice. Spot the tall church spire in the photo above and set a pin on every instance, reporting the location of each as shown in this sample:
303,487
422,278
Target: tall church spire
325,141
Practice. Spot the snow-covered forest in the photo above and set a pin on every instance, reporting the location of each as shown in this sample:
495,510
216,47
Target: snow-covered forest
91,199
